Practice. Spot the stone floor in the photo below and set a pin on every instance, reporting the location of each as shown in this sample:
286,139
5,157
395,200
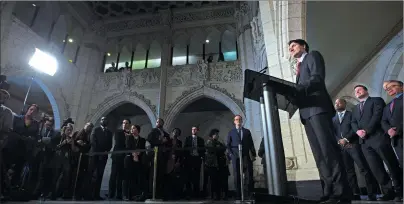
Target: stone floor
170,202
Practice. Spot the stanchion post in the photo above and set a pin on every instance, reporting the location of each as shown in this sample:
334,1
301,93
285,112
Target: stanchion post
77,176
156,149
240,153
269,176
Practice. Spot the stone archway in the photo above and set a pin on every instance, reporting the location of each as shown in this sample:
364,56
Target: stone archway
193,94
54,97
116,100
386,64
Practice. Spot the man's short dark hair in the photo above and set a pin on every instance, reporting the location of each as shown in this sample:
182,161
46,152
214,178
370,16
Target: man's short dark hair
363,86
343,100
196,126
300,42
213,132
178,130
34,105
396,81
138,128
127,119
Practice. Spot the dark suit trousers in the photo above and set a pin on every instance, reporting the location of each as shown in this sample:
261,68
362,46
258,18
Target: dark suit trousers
116,177
398,148
377,149
248,170
350,156
194,175
96,169
327,154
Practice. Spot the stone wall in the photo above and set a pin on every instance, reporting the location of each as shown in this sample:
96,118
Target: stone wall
385,65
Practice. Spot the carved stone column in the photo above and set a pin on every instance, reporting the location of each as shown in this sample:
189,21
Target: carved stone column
247,56
166,17
6,10
280,23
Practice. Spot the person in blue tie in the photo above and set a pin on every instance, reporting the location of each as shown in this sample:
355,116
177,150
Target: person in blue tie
240,135
392,120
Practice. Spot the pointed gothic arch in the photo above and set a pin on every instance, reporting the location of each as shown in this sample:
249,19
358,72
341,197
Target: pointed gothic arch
196,93
116,100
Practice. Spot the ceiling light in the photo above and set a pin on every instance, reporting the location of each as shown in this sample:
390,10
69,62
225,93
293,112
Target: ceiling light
207,41
64,40
33,5
109,54
70,40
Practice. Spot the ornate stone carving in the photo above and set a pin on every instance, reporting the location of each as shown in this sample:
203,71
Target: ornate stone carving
256,29
203,70
203,15
186,93
126,77
128,93
291,163
145,78
166,18
219,72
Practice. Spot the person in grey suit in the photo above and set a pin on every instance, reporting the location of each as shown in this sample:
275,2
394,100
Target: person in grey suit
316,112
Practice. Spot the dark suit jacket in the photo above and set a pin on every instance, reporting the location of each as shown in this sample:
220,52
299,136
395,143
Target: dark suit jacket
200,143
119,139
261,152
100,140
312,95
131,144
345,128
370,118
394,119
233,140
154,138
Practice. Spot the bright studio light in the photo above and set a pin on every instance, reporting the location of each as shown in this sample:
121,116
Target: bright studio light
207,41
43,62
70,40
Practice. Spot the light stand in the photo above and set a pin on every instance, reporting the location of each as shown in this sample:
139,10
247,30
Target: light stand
43,62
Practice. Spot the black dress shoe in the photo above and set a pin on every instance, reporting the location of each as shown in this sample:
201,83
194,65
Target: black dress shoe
324,198
388,196
356,197
372,198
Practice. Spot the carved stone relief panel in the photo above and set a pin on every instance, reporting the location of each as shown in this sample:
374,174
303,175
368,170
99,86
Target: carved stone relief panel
145,78
203,15
219,72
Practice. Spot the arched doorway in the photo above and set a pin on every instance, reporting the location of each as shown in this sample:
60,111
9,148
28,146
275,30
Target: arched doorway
39,94
137,116
207,114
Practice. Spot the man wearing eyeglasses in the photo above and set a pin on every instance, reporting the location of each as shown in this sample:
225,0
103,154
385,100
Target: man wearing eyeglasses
392,120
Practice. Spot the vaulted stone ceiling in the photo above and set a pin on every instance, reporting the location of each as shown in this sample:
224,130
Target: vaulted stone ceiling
108,9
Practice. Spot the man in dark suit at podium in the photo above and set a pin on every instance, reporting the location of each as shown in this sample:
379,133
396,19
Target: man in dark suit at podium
352,152
316,112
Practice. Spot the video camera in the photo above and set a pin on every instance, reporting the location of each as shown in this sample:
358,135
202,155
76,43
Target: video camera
3,83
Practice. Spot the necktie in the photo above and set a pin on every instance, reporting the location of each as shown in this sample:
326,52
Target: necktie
392,105
361,105
298,68
195,152
341,115
239,133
